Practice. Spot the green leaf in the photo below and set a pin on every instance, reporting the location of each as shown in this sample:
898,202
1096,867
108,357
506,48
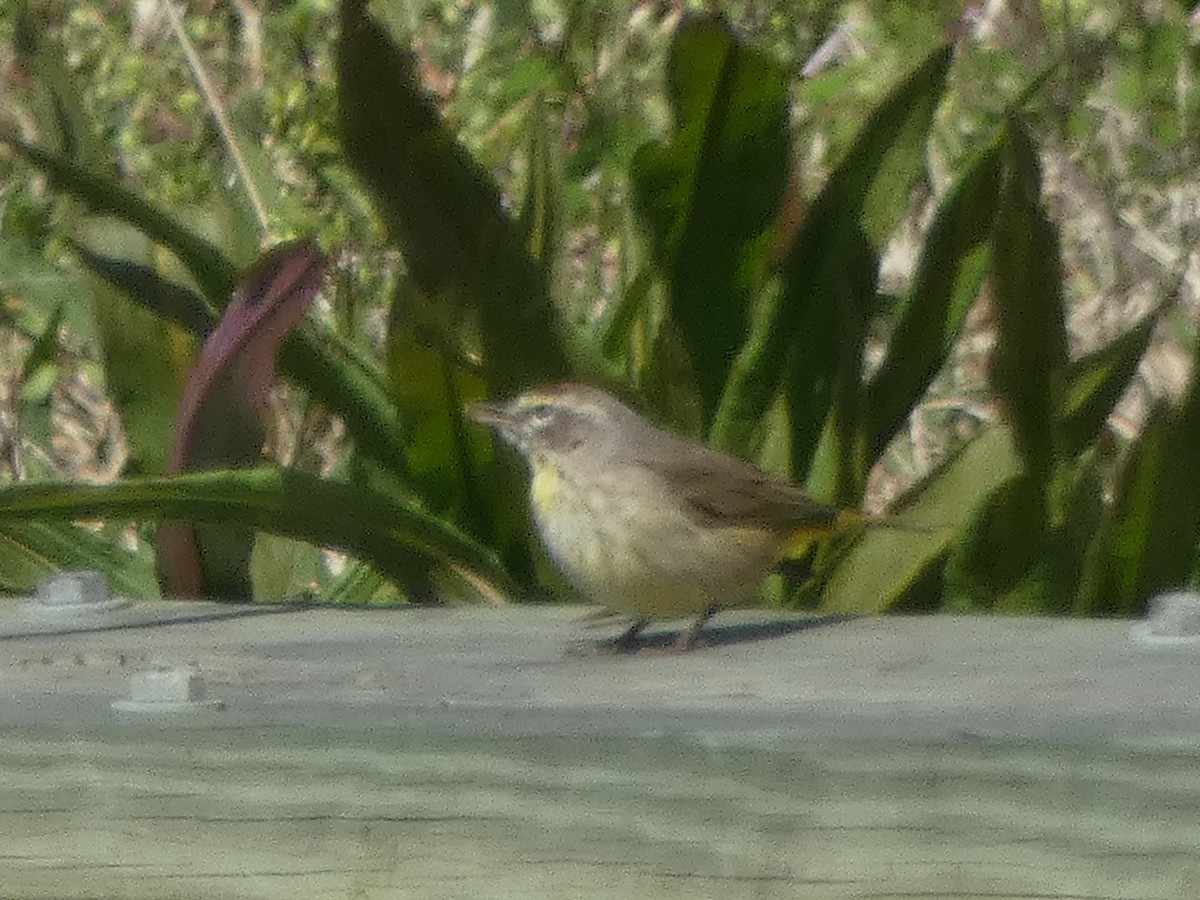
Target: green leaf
432,392
999,559
947,281
141,283
35,290
888,155
1148,542
142,366
1031,351
340,378
825,393
442,209
541,212
450,465
282,568
898,161
710,193
382,531
30,550
39,50
888,562
213,271
1094,383
794,342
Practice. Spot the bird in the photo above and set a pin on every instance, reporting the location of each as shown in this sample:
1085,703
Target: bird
644,521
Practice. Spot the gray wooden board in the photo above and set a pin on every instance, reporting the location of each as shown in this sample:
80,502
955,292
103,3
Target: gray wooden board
478,753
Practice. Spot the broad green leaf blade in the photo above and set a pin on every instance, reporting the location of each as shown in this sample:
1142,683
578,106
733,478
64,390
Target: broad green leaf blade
214,273
442,209
999,560
382,531
1031,350
142,368
34,290
30,550
898,162
947,281
825,392
887,562
542,210
432,391
793,342
710,193
344,381
45,56
1093,384
151,290
1148,542
450,463
888,155
283,568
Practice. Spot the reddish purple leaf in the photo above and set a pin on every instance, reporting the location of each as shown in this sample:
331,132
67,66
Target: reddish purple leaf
220,421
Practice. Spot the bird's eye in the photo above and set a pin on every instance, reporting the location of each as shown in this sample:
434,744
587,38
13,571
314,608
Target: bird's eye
541,413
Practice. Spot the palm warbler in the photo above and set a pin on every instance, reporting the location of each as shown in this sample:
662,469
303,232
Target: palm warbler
643,521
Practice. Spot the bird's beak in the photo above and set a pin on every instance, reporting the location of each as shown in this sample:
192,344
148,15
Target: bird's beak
493,415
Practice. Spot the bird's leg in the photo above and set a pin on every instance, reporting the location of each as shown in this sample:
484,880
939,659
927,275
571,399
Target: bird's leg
687,637
629,639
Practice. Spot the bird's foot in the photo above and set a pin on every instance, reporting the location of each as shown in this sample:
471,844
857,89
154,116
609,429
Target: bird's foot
690,636
627,642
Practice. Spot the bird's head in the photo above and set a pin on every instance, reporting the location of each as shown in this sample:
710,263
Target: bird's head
553,420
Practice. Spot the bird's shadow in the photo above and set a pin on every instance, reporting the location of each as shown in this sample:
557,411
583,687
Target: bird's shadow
718,635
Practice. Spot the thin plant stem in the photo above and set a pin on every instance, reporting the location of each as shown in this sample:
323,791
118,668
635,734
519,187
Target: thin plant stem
217,108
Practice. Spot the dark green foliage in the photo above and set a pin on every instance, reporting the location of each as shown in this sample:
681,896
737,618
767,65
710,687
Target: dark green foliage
103,196
710,194
1031,353
1092,385
1045,542
947,281
464,254
280,500
889,564
828,287
1148,542
164,298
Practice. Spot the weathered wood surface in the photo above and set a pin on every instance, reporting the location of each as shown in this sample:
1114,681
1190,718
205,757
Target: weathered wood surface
476,753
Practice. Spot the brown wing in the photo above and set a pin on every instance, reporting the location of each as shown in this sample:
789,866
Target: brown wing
716,488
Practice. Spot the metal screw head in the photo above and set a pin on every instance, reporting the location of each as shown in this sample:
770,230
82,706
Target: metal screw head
1170,618
166,689
71,594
